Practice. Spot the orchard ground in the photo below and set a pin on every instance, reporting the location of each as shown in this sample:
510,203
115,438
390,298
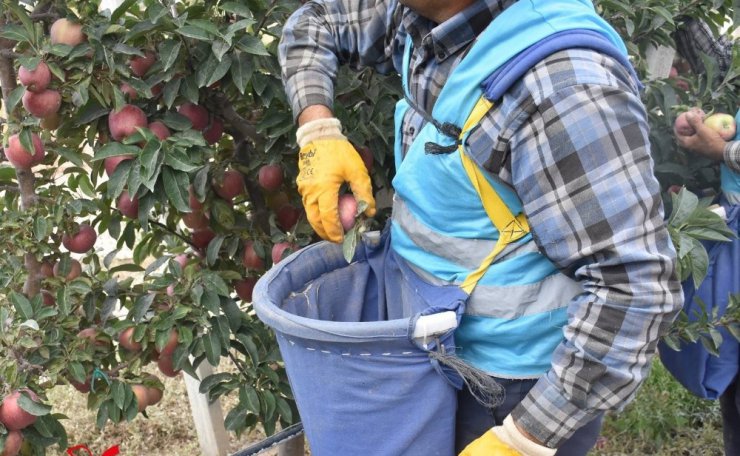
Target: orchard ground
664,420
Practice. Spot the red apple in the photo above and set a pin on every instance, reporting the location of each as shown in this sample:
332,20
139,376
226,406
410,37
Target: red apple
66,32
270,177
675,188
182,260
287,216
244,288
724,124
75,269
126,339
673,73
214,131
347,207
198,115
195,205
81,387
140,65
82,241
170,345
683,85
36,80
21,158
48,298
203,237
13,443
231,185
12,415
157,89
160,130
277,200
195,220
250,259
682,127
154,395
128,207
124,122
278,250
46,269
166,366
129,91
142,396
42,104
111,163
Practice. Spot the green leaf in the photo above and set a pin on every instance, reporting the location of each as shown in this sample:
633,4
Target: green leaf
121,10
205,25
212,281
142,305
77,371
241,71
34,408
29,62
210,301
252,45
149,155
115,149
118,392
22,305
169,51
252,400
239,9
26,138
156,264
22,16
684,204
118,180
176,188
71,156
214,247
212,380
40,228
236,418
284,409
15,32
220,70
212,347
196,33
220,48
170,92
179,161
14,97
349,245
176,121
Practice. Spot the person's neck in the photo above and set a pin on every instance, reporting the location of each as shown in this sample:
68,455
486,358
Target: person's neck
438,12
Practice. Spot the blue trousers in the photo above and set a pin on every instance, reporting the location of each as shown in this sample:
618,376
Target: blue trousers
473,419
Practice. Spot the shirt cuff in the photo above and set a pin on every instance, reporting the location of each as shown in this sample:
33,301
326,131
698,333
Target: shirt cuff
732,155
549,416
308,88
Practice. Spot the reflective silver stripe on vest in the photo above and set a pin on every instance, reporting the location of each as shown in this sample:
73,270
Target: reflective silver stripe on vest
508,302
468,253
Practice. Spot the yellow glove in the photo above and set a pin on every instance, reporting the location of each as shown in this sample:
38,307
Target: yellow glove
327,160
505,440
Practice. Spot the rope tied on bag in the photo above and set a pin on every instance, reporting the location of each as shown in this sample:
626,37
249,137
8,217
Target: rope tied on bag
484,388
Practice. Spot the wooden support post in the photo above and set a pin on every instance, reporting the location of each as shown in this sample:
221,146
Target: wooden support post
208,418
293,447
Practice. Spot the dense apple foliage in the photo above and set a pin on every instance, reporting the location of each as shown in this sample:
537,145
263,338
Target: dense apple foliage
150,181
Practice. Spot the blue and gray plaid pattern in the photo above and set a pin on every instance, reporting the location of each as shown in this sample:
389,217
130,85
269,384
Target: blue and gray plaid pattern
572,138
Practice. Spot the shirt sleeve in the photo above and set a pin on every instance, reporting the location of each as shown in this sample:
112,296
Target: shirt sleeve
732,155
322,35
581,165
695,38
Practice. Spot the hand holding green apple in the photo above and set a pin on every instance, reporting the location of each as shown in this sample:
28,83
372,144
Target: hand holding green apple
705,136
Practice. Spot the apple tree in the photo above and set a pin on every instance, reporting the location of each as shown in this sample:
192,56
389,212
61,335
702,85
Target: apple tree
148,183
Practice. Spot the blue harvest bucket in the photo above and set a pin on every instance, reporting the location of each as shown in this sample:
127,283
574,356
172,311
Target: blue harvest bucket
357,360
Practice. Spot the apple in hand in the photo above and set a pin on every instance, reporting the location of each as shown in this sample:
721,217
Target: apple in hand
722,123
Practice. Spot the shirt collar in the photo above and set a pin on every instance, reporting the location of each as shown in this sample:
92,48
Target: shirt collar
449,37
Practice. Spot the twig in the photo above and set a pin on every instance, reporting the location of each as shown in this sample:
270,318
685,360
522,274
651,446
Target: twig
272,6
8,54
171,231
236,125
239,367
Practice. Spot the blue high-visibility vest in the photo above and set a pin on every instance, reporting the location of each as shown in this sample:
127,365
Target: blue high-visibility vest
515,314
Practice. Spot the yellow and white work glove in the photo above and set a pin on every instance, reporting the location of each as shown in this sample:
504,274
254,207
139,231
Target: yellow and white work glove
505,440
327,160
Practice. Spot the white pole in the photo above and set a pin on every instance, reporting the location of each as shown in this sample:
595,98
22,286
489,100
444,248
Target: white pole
208,418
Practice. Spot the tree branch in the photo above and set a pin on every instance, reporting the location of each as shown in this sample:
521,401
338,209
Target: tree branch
175,233
236,125
261,214
26,180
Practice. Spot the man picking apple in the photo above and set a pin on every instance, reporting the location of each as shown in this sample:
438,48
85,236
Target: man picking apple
523,177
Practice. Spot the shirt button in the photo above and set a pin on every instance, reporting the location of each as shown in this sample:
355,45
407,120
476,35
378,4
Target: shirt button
412,130
441,55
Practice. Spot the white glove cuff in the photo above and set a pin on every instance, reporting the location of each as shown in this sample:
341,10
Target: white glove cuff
328,128
512,436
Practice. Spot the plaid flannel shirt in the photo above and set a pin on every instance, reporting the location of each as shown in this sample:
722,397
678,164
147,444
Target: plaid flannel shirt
732,155
572,138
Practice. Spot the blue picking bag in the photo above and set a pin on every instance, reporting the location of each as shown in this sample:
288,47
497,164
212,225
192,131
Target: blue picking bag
362,384
703,374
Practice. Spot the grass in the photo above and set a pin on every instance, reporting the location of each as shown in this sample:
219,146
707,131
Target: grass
663,420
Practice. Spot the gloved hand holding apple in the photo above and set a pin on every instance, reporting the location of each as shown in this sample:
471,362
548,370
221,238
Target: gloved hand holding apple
705,135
